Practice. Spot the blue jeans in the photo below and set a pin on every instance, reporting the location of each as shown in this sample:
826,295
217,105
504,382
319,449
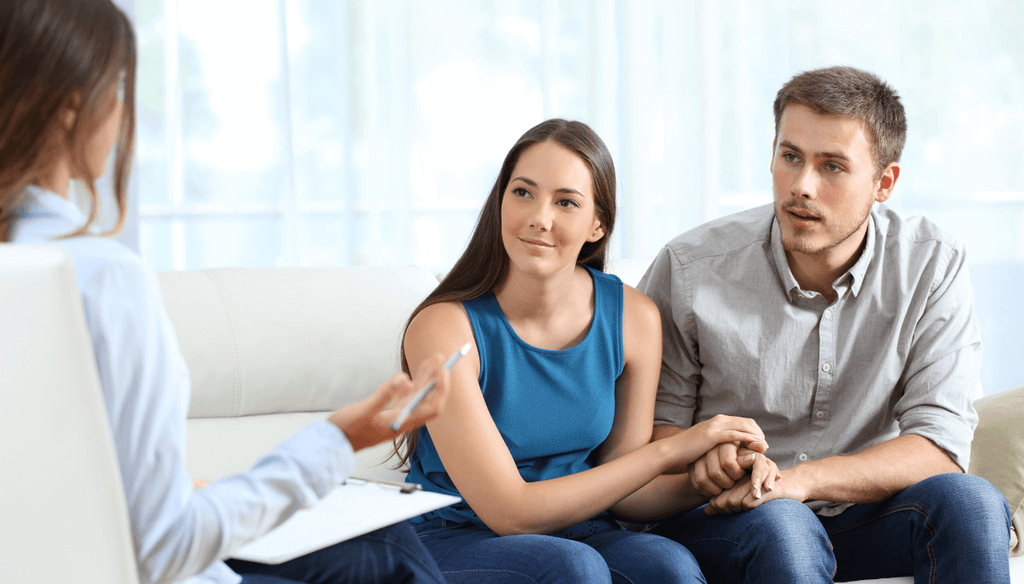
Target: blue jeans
594,552
391,555
951,528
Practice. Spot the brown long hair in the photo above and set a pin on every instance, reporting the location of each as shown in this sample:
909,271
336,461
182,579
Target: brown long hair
484,265
57,55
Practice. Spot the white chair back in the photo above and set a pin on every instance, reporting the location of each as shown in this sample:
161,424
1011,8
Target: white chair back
64,516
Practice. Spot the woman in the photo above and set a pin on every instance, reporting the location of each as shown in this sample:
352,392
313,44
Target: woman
549,421
67,75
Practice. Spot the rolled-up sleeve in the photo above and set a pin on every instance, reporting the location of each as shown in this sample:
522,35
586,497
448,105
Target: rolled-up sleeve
941,376
665,283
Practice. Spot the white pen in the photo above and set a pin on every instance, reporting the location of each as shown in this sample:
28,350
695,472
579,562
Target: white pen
416,399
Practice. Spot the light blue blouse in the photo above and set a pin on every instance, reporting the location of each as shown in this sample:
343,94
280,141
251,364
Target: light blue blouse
178,532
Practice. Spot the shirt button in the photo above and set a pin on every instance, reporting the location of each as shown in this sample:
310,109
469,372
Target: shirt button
803,457
828,313
820,415
826,368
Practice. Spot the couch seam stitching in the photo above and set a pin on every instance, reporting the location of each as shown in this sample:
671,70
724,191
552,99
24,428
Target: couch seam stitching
236,406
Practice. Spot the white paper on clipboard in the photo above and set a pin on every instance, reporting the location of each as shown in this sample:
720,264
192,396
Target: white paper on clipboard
350,510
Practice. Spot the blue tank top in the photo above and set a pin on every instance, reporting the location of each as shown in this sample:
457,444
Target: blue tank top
553,408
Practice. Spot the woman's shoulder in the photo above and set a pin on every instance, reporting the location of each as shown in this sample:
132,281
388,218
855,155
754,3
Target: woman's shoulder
439,321
102,262
639,310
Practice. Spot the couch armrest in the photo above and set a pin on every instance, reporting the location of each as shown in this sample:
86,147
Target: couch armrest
997,452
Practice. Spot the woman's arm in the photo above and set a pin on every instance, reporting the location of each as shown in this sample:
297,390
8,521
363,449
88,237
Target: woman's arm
482,469
178,531
637,386
635,393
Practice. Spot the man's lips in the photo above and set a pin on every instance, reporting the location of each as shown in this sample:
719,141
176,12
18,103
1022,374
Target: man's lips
803,215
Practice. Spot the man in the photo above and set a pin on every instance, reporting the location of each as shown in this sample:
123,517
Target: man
848,333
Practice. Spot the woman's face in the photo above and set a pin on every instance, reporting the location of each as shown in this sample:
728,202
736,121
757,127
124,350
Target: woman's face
548,209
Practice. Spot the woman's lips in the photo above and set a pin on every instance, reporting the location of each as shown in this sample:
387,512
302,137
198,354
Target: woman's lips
536,243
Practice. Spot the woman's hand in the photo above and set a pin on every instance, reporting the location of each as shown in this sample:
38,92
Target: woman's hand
369,422
692,443
746,493
763,471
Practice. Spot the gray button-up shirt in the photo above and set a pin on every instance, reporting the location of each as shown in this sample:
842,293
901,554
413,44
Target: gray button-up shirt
897,353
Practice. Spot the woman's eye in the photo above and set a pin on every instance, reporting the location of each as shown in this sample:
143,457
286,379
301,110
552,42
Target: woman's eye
520,192
568,203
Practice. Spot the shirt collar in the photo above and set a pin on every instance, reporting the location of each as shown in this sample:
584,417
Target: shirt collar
47,214
854,277
858,270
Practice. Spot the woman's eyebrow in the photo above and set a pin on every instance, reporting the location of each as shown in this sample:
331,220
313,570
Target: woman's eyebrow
533,183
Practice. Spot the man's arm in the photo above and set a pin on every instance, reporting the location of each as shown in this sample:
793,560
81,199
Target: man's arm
934,409
869,476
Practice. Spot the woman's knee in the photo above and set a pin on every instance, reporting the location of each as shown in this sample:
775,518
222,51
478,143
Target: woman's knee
539,559
565,560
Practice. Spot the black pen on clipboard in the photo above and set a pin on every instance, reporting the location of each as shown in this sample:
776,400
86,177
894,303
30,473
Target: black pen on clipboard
416,399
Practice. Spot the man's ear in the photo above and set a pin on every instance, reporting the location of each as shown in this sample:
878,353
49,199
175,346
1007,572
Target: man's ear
887,182
771,164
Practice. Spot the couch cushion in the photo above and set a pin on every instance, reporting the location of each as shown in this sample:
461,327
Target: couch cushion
997,452
261,341
218,447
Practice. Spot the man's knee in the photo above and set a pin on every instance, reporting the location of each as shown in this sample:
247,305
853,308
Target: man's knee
962,502
788,527
781,537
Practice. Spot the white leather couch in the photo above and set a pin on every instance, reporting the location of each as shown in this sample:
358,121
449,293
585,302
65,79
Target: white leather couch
271,350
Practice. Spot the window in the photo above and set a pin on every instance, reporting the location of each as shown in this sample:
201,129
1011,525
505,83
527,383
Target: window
323,132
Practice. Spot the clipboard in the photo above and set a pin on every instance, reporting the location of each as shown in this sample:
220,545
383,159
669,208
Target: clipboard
354,508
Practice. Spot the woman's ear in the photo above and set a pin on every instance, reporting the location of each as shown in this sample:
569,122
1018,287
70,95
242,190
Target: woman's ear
597,233
69,111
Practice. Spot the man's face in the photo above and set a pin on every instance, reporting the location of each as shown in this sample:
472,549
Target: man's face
823,177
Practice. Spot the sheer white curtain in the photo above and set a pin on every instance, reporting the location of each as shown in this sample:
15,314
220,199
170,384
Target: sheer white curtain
328,132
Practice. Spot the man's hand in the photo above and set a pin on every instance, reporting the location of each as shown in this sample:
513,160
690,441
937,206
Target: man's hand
746,494
369,422
722,466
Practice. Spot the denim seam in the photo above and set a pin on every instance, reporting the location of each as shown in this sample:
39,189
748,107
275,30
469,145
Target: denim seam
624,577
409,553
520,574
906,507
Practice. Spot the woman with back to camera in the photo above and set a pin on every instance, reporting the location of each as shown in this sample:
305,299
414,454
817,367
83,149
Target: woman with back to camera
549,421
67,75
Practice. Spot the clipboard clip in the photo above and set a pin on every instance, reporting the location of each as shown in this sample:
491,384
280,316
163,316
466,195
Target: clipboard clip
404,488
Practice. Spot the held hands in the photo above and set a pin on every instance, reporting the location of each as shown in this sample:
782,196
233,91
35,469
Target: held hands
691,444
721,475
725,464
742,496
369,422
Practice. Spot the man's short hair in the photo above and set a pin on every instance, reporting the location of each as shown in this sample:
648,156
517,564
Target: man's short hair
852,93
